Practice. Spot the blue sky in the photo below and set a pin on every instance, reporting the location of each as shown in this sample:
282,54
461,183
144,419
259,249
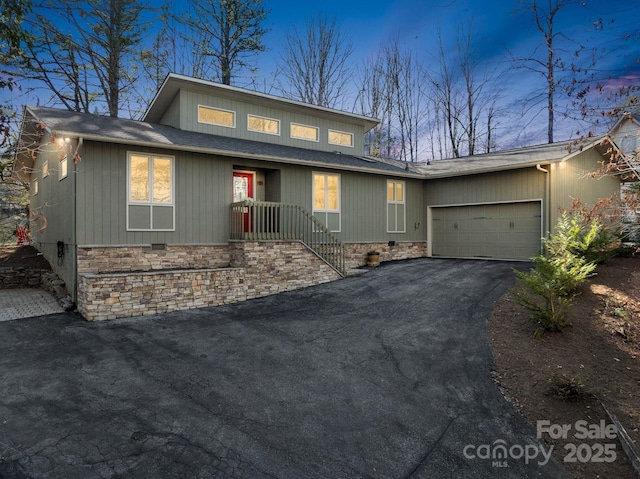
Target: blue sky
501,29
374,22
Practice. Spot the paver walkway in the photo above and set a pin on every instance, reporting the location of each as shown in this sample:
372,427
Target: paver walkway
26,303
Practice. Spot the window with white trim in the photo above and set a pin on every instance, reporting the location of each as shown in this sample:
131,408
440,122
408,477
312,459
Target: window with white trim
216,116
261,124
45,169
326,199
341,138
35,188
396,207
150,192
304,132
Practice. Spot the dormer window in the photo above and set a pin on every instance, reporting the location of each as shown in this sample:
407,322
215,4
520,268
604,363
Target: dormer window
216,116
263,125
304,132
340,138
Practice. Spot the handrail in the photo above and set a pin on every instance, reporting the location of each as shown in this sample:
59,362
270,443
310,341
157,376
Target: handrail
265,220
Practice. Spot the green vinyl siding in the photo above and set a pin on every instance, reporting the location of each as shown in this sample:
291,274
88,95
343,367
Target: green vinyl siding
201,198
190,100
53,207
203,194
514,185
571,180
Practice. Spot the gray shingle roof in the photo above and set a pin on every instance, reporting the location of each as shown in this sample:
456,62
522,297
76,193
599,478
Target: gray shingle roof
118,130
131,132
505,160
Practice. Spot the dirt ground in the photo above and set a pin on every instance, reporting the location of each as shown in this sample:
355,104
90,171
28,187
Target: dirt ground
601,350
25,256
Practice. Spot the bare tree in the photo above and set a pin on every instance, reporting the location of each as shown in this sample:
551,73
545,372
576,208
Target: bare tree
314,63
464,99
81,51
550,62
375,101
230,31
405,82
445,95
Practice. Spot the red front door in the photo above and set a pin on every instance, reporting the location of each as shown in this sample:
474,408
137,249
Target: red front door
242,190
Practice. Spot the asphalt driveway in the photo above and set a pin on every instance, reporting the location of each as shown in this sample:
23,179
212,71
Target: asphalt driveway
382,375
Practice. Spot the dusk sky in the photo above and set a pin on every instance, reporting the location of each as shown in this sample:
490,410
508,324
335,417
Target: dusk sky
500,28
499,23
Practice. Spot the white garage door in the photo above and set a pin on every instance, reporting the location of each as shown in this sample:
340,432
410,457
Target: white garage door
502,231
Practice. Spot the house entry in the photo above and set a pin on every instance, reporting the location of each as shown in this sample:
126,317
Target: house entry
243,190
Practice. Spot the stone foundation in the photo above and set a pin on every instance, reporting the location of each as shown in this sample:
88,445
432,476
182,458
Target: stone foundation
257,269
121,259
357,252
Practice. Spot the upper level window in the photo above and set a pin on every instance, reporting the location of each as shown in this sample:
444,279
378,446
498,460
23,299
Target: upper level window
216,116
304,132
45,169
340,138
35,188
150,185
263,125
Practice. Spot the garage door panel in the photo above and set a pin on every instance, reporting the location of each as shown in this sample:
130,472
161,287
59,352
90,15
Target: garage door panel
504,231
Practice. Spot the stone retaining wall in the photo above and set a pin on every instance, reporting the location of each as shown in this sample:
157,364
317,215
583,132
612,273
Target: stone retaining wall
276,266
111,259
122,295
357,252
19,277
257,269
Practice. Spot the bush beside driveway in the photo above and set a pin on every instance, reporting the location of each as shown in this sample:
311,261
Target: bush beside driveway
382,375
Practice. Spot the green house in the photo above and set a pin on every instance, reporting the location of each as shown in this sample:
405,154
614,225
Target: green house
221,194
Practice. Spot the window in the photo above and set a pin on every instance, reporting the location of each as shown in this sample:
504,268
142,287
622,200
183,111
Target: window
340,138
304,132
326,199
263,125
62,169
35,188
45,169
150,180
396,210
216,116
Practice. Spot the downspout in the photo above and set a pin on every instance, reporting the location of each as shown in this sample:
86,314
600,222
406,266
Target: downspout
546,223
74,220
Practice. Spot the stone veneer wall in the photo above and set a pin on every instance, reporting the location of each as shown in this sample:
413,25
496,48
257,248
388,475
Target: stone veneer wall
257,269
111,259
357,252
276,266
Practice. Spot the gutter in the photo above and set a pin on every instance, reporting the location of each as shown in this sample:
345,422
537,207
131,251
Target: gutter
546,223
